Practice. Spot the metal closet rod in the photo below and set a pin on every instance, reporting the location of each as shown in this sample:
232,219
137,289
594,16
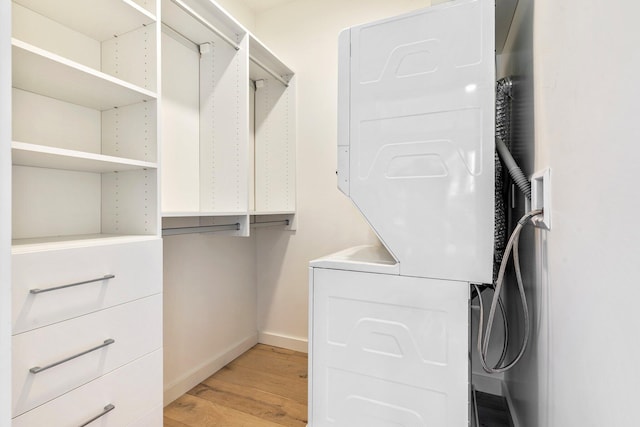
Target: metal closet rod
270,223
195,15
200,229
270,71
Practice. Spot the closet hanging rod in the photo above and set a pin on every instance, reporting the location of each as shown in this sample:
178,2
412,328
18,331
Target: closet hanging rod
178,35
270,71
285,222
200,229
195,15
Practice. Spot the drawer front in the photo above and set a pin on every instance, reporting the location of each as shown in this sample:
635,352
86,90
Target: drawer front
151,419
134,390
135,328
137,268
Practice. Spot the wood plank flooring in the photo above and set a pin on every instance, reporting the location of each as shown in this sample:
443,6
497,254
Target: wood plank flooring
266,386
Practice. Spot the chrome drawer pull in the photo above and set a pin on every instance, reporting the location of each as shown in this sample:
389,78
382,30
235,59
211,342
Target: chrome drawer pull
38,369
39,291
106,410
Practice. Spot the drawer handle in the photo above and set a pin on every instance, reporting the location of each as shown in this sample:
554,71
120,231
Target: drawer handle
39,291
38,369
106,410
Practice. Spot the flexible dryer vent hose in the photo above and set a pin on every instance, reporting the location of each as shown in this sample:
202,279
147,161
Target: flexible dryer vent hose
504,89
514,170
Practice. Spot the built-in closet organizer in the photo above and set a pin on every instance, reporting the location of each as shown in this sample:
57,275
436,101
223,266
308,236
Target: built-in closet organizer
228,125
86,252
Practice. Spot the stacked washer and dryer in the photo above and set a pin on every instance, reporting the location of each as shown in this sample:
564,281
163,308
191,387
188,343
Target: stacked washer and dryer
389,338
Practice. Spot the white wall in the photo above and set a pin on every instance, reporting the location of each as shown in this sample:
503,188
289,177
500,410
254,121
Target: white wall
240,11
304,35
209,306
588,130
5,214
583,367
209,279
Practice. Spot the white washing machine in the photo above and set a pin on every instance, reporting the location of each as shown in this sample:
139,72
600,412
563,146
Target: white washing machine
386,350
389,325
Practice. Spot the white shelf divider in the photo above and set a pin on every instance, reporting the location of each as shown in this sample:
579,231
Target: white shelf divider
98,19
25,154
36,70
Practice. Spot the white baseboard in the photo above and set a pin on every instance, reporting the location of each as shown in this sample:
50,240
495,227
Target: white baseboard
284,341
190,379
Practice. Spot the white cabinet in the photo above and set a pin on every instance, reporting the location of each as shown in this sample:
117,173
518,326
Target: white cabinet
228,122
86,253
102,341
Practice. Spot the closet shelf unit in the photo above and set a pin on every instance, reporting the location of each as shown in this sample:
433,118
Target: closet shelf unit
213,168
273,129
84,149
86,254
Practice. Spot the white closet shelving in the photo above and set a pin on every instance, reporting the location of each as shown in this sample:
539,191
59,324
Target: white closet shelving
86,253
84,121
274,132
213,174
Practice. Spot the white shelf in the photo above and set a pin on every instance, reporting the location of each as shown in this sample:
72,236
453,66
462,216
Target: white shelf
200,214
263,55
98,19
36,70
20,246
178,19
260,213
42,156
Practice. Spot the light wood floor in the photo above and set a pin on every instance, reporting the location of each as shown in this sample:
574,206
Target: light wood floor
266,386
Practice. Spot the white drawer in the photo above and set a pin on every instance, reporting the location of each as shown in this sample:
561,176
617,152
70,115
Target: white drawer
152,419
137,268
134,390
135,328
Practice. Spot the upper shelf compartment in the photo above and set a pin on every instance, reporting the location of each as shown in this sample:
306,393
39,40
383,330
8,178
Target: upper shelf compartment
274,131
115,37
36,70
97,19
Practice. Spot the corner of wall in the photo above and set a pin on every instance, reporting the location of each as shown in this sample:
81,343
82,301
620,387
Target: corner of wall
193,377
